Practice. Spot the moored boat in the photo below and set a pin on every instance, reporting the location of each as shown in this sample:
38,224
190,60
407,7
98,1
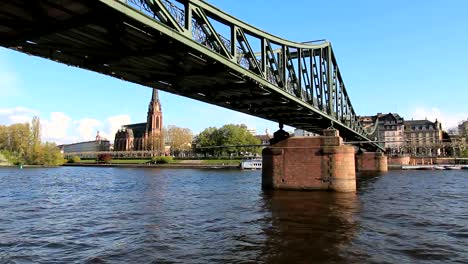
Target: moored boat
454,167
425,167
251,164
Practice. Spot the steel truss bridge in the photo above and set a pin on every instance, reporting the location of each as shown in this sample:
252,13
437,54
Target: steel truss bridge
193,49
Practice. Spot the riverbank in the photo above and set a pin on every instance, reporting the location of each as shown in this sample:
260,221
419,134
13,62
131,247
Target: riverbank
427,167
135,165
3,161
168,165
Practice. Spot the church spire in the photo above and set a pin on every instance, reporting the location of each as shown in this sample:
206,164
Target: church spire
155,95
153,136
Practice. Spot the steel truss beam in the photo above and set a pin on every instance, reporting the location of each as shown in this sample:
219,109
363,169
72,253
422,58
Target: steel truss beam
307,71
301,78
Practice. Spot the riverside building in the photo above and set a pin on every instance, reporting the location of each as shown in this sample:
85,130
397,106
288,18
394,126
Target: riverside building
99,144
390,129
424,137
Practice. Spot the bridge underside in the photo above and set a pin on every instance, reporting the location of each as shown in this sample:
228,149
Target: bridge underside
109,40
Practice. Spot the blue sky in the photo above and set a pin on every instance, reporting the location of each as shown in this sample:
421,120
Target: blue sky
409,57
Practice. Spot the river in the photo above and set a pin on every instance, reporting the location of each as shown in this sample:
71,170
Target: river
125,215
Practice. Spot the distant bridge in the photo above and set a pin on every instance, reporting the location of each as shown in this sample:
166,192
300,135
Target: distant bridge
190,48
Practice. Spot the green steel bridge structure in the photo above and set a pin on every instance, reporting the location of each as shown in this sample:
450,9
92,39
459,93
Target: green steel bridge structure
193,49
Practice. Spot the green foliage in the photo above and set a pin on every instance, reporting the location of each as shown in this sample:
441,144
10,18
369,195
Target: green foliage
206,138
50,155
106,158
12,157
21,144
130,161
465,153
227,135
3,160
221,161
161,159
74,159
180,139
15,138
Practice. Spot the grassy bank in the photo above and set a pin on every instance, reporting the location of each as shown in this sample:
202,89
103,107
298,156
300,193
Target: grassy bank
4,161
214,162
144,161
119,161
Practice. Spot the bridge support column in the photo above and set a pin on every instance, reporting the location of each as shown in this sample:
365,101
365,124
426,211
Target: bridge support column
371,162
310,163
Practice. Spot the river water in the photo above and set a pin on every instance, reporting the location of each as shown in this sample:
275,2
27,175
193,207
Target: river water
120,215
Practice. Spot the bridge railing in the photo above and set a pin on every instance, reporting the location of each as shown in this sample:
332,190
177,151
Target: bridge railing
307,71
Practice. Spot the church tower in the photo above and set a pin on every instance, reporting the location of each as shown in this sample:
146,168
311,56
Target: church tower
154,136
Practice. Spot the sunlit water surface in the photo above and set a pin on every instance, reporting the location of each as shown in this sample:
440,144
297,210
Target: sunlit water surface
118,215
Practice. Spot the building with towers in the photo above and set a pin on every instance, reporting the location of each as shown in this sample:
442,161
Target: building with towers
143,136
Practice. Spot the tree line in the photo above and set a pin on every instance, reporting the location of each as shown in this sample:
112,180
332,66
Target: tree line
227,135
21,144
182,140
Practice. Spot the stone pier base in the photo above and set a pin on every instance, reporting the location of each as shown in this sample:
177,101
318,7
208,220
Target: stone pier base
371,162
310,163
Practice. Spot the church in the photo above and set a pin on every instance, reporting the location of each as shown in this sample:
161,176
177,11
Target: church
143,136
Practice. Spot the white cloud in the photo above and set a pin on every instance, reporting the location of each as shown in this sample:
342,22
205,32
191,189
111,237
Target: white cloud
56,128
448,120
20,118
114,123
62,129
16,115
87,128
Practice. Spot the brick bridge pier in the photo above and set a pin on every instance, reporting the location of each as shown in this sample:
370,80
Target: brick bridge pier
316,163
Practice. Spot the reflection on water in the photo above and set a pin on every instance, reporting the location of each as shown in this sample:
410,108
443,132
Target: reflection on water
111,215
309,226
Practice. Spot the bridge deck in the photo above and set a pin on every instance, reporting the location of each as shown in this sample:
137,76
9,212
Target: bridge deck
119,41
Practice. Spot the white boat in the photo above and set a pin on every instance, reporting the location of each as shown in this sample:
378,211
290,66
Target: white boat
439,167
251,164
455,167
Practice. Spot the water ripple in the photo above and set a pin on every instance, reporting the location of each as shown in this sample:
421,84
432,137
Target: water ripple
111,215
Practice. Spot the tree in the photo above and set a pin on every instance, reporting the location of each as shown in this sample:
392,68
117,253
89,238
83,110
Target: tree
105,158
18,136
465,154
227,135
21,144
155,143
180,139
74,159
3,137
50,155
237,135
35,141
206,139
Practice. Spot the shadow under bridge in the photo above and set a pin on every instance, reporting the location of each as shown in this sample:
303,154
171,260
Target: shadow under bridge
190,48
